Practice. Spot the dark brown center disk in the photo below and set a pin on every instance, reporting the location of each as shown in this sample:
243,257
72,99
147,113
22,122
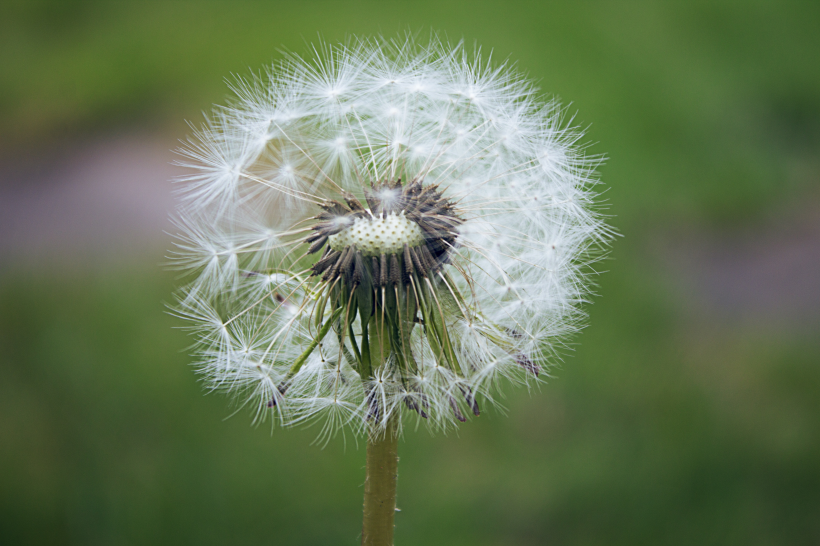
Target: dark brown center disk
424,205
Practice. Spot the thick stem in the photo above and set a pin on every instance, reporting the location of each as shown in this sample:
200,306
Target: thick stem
380,487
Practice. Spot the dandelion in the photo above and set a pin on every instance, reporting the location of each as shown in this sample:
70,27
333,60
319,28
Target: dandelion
380,237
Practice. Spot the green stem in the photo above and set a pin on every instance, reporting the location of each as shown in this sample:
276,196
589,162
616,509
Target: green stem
297,364
380,487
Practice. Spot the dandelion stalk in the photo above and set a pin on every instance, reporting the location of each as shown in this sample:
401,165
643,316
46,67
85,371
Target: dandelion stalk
380,487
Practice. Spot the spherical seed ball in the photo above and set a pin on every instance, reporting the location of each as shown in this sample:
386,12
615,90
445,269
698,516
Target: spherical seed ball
361,121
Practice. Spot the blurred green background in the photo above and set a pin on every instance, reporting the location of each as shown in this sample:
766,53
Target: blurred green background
688,413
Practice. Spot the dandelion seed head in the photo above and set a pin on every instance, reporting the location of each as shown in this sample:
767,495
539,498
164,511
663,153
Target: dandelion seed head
389,228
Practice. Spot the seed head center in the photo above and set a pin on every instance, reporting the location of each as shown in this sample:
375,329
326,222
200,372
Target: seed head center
383,235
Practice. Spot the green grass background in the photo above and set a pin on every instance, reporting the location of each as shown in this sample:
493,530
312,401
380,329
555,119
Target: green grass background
667,425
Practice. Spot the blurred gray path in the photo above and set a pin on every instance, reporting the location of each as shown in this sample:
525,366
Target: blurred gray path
766,274
107,197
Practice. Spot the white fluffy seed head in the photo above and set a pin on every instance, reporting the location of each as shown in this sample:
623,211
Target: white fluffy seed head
508,291
381,235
